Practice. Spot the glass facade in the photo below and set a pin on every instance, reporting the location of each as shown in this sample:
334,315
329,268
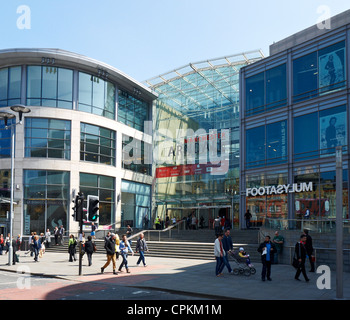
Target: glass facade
321,201
136,203
49,87
5,138
318,133
197,142
132,111
278,185
267,145
5,192
137,155
46,200
10,86
104,188
47,138
97,144
267,205
96,96
266,90
319,72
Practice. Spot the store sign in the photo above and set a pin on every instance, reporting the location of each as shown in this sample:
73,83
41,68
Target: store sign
281,188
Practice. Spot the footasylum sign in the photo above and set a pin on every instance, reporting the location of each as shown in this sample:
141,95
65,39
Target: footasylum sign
281,188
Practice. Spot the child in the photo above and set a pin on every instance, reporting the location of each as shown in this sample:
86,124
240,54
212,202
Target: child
243,254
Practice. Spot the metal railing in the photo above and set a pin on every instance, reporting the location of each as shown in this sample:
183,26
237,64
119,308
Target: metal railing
178,226
323,225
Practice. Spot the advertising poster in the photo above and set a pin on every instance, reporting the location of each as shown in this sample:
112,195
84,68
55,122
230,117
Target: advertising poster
331,69
332,132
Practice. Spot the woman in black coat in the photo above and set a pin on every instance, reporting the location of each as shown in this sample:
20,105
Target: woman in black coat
89,249
300,253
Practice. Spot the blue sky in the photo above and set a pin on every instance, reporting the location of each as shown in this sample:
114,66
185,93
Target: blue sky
145,38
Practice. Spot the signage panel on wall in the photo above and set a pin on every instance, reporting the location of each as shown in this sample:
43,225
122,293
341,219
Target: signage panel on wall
282,188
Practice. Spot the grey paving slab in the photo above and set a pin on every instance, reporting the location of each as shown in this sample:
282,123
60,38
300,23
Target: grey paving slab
196,277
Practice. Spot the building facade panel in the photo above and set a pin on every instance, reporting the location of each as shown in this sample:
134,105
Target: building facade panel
70,135
300,149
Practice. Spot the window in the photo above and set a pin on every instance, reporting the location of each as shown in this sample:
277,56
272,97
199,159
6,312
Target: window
267,145
136,155
255,147
132,111
319,72
276,87
305,77
255,99
104,188
97,144
10,86
317,134
276,142
306,136
136,203
47,138
46,199
49,87
5,138
96,96
266,90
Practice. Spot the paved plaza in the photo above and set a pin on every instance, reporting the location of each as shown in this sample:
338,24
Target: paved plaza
178,276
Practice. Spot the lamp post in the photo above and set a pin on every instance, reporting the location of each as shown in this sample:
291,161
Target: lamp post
20,109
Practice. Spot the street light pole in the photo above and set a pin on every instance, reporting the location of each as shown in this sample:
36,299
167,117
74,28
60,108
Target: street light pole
339,222
6,116
10,257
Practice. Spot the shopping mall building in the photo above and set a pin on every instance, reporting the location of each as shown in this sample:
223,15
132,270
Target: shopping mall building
216,137
294,113
83,113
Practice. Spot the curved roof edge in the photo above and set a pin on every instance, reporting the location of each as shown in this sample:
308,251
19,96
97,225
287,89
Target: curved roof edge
247,57
73,60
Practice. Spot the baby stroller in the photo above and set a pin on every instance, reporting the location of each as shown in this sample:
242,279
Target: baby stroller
241,266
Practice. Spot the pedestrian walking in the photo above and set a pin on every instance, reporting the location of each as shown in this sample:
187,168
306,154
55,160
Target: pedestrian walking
219,253
2,243
90,248
14,251
124,249
145,221
61,234
56,233
228,247
7,242
129,233
278,240
141,247
216,226
72,243
247,217
300,254
309,250
110,251
108,236
47,238
93,230
267,250
31,243
36,247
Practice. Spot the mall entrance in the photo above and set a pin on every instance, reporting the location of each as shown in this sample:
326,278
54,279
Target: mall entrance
205,215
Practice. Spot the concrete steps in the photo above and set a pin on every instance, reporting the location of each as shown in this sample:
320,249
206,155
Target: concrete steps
186,244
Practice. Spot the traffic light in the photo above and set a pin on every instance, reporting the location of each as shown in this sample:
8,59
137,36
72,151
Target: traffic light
92,208
78,207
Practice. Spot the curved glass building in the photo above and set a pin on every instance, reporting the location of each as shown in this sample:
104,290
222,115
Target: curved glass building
196,139
88,131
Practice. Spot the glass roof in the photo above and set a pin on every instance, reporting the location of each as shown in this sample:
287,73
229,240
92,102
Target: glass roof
205,85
